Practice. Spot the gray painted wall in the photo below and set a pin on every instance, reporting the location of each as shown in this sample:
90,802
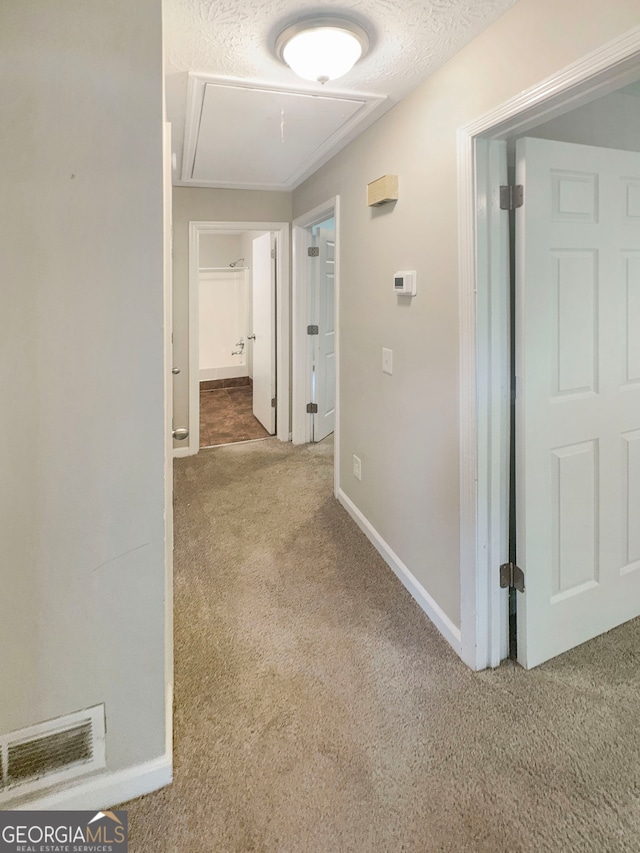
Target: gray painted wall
81,368
405,427
220,250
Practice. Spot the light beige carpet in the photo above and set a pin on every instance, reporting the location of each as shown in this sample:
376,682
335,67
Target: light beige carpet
319,711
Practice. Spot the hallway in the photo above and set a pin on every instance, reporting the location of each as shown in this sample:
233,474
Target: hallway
319,711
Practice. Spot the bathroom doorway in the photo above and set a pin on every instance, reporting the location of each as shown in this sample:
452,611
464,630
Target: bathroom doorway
221,259
236,336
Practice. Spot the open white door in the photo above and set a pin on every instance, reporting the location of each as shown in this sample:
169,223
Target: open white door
578,394
264,312
324,361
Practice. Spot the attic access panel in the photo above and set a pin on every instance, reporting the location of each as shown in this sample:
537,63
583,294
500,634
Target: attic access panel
254,137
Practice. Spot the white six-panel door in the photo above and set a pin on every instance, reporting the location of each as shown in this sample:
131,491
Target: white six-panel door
578,394
264,362
325,361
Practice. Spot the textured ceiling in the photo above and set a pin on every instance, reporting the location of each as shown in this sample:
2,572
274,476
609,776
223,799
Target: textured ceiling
409,40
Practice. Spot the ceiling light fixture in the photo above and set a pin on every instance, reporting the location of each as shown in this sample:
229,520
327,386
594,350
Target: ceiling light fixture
322,48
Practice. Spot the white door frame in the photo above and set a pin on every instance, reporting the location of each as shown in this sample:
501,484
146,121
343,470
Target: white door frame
301,426
168,448
483,284
281,230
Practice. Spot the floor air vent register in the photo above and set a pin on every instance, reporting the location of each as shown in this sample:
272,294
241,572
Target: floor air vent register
51,753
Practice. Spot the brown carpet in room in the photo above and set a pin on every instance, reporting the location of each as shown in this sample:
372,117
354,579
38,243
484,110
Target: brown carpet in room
319,711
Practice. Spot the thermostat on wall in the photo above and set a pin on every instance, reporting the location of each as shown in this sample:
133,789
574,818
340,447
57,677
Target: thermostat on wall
404,282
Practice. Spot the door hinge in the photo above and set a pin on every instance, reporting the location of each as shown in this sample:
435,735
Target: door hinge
312,330
313,251
273,253
511,196
312,408
274,400
511,576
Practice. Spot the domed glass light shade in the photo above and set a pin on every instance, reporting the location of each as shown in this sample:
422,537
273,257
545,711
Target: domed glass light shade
322,49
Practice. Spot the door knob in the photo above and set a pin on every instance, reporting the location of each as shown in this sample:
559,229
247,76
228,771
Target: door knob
251,337
175,370
180,434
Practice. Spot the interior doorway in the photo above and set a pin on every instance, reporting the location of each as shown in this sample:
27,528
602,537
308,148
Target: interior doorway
238,332
237,341
316,282
572,518
577,424
321,329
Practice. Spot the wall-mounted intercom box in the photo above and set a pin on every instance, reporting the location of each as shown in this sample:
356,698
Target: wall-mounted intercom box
404,283
382,191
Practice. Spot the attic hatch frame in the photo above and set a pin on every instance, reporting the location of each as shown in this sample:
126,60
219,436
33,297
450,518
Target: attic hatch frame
484,340
370,105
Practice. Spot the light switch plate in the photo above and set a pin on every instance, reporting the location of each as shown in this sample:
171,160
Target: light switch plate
387,360
357,467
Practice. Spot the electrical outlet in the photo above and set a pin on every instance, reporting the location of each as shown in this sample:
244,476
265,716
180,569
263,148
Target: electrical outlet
357,467
387,360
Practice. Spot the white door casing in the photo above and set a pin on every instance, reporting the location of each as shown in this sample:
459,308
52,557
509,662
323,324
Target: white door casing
324,362
282,300
300,420
264,363
578,394
168,426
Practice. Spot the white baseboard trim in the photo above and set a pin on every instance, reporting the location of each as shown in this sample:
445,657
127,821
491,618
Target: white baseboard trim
433,610
181,451
104,791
